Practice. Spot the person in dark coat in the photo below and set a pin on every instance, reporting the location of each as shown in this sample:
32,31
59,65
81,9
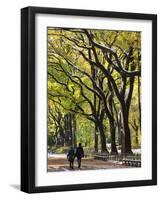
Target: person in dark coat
71,157
79,154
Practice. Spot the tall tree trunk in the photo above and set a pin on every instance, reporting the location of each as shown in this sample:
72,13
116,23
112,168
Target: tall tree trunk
139,102
95,139
102,137
125,114
94,76
95,129
113,138
119,126
68,129
139,85
112,126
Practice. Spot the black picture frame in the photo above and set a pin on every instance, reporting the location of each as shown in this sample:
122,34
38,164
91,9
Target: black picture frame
28,98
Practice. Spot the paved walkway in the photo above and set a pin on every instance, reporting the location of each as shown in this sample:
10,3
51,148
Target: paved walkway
61,164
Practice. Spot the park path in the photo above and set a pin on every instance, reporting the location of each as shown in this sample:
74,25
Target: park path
60,163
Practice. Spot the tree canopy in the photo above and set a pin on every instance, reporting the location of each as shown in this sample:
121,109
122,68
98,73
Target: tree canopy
94,80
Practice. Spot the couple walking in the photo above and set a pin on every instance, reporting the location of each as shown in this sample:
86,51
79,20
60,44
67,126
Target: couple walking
72,154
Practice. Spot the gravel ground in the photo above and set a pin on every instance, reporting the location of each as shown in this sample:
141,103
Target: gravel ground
62,164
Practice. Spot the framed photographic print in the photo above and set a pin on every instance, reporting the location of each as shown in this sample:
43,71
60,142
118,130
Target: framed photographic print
88,99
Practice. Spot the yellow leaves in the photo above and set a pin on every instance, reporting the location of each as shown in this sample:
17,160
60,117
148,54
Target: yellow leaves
54,86
76,94
51,85
70,85
126,39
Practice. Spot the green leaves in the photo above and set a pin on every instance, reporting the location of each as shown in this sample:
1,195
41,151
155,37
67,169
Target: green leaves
81,64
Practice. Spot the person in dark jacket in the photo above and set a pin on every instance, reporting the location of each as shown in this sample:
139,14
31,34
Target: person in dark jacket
71,157
79,154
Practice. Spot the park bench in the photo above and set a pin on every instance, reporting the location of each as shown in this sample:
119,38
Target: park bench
101,156
133,163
